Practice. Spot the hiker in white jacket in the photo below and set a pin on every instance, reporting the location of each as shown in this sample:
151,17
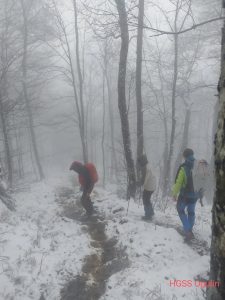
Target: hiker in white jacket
149,185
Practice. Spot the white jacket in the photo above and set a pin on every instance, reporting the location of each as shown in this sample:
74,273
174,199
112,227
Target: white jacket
150,180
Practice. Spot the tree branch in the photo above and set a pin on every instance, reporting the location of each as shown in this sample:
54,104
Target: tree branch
163,32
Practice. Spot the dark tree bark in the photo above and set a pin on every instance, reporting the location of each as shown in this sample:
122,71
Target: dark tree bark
25,92
131,187
140,131
217,265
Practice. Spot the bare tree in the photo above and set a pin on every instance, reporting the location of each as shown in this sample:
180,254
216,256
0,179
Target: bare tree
63,50
6,140
103,130
24,7
80,77
131,188
140,130
114,160
10,54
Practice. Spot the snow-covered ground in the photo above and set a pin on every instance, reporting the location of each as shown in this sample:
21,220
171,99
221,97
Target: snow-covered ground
40,249
158,255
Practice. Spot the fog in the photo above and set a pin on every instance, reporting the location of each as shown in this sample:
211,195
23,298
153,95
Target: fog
50,31
103,82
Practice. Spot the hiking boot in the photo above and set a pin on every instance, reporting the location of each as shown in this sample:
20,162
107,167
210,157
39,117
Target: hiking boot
188,236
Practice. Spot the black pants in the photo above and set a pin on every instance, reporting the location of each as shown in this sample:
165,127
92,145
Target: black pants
86,203
149,212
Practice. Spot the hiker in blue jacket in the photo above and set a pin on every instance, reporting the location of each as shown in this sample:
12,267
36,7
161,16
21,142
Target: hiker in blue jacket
183,191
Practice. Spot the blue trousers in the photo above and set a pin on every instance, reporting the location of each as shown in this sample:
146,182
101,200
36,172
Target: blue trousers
187,218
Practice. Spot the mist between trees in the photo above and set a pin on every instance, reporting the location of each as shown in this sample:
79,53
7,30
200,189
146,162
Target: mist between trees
105,81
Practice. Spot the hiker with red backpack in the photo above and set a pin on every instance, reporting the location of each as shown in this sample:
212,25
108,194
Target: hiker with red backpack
88,176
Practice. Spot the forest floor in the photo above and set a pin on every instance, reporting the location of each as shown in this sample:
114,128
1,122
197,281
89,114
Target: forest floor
50,250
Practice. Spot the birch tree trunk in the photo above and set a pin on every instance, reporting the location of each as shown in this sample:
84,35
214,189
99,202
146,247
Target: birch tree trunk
131,187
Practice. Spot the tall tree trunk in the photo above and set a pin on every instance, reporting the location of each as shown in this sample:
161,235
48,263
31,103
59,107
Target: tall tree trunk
80,77
6,143
18,149
140,133
114,162
103,129
131,187
217,265
25,93
165,156
173,101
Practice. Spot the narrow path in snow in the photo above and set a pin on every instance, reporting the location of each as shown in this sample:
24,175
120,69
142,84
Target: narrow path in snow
106,259
198,245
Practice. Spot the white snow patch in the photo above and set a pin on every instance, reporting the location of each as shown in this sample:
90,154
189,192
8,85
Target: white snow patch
39,250
157,254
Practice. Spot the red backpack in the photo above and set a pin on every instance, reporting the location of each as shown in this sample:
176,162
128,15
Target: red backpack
92,172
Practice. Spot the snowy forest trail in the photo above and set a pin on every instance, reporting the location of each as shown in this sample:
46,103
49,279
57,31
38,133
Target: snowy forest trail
107,258
95,280
50,250
197,244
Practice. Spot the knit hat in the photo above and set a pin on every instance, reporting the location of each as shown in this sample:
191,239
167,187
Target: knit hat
75,165
188,152
142,160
